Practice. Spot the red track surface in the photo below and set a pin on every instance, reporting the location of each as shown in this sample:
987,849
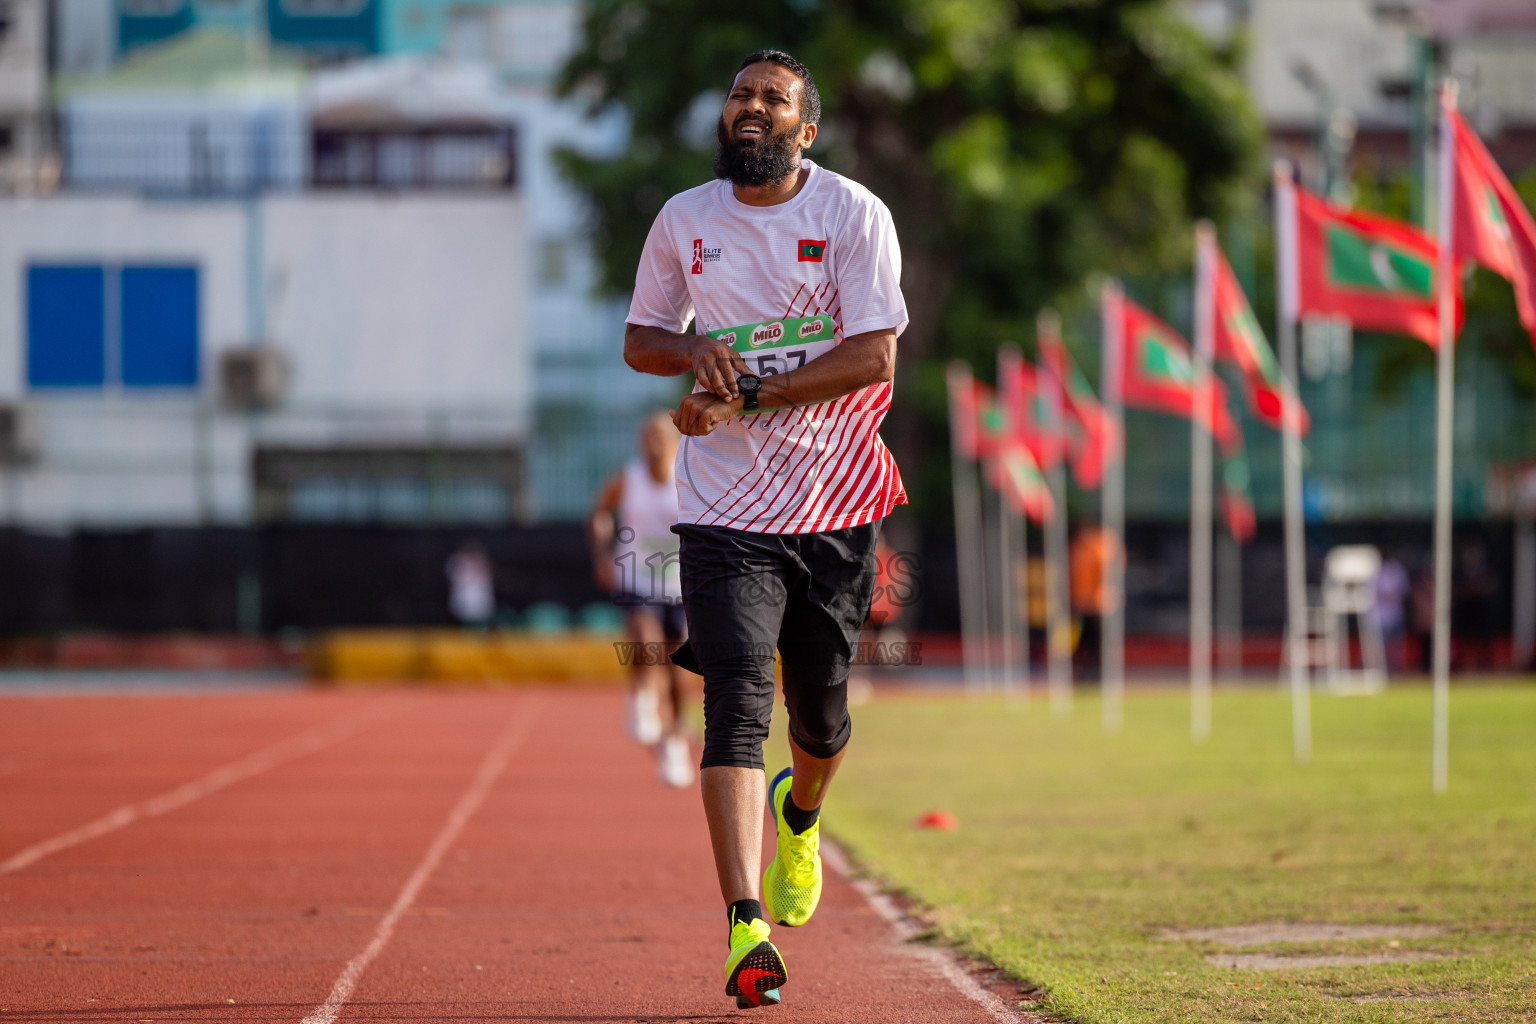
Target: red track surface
578,889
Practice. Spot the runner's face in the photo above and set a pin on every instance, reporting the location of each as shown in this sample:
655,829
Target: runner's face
761,132
764,96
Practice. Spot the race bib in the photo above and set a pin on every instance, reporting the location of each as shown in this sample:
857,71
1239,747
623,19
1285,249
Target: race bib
778,346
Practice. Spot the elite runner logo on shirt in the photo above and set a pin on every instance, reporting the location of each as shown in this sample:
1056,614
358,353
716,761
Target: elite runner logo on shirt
702,256
797,470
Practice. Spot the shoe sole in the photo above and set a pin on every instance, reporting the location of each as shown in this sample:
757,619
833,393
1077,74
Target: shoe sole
763,986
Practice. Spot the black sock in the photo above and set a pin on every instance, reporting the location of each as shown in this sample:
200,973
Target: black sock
798,820
743,910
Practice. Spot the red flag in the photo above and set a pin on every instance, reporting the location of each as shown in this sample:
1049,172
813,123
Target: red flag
1014,472
1492,226
1236,499
1088,424
977,417
1024,407
1239,339
1376,272
1158,373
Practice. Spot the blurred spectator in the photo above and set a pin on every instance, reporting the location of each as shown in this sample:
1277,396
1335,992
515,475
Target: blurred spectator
471,585
1037,605
635,558
1474,594
1422,615
1392,589
1090,552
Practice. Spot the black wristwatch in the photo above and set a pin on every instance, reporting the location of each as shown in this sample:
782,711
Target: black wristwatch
749,384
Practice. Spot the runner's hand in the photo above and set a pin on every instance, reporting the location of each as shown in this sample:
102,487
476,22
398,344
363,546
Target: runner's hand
716,367
700,412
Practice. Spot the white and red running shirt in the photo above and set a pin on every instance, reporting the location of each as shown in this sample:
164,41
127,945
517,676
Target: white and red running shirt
783,285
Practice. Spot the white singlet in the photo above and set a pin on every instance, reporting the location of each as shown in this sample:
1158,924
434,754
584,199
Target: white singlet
645,552
793,281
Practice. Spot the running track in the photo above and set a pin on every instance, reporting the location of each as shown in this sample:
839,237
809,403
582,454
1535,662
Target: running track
406,856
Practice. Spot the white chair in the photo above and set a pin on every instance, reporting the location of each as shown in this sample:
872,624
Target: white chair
1349,589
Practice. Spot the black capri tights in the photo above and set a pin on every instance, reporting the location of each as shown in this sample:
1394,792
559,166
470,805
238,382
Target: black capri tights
746,594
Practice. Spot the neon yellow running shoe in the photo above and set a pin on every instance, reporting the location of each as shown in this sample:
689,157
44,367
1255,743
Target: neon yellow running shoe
754,970
792,883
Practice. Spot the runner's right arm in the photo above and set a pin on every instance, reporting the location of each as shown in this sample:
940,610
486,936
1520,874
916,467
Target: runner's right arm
714,364
600,529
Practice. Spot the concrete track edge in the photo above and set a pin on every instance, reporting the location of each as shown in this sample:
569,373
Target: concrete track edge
958,970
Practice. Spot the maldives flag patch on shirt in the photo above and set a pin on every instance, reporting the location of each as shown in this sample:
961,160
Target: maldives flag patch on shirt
811,249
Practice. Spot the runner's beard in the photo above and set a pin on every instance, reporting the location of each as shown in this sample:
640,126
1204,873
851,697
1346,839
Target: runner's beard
774,156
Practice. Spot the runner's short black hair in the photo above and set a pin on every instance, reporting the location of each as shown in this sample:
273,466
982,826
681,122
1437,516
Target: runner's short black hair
810,101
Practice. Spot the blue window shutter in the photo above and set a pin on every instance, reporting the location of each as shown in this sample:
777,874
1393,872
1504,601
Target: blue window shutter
66,327
160,335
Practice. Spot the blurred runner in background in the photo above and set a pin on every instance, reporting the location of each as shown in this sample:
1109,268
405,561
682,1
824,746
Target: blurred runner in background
471,585
634,557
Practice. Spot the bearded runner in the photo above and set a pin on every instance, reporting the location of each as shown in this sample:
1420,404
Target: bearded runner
790,275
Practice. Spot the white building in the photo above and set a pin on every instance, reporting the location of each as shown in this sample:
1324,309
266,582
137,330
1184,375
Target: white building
401,319
214,147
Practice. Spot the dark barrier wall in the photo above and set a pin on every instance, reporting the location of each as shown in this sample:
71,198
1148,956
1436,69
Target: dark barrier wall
311,577
304,577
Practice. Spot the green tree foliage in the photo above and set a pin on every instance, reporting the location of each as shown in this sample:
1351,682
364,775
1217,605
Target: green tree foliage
1022,145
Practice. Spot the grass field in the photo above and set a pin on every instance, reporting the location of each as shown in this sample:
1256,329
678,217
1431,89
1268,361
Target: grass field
1075,853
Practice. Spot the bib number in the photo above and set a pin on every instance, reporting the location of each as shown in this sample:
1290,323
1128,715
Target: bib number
776,362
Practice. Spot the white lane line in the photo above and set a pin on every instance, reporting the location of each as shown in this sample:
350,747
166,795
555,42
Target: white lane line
491,768
944,961
227,775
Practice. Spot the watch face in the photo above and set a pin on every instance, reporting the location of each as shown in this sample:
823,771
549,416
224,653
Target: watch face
748,382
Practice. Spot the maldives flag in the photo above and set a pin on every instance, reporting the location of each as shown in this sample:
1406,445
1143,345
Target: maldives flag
976,416
1376,272
1025,410
1238,338
1492,224
1016,475
1089,427
1158,373
1236,499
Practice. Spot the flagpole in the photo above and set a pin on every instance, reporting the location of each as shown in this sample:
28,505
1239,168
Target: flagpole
1019,627
1008,359
1058,626
1007,527
1445,395
968,533
1112,510
1295,537
1200,499
994,580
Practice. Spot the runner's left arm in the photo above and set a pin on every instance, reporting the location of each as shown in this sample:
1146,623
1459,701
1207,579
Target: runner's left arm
862,360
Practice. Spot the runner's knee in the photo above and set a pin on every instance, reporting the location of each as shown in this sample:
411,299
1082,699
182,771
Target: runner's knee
818,717
738,706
